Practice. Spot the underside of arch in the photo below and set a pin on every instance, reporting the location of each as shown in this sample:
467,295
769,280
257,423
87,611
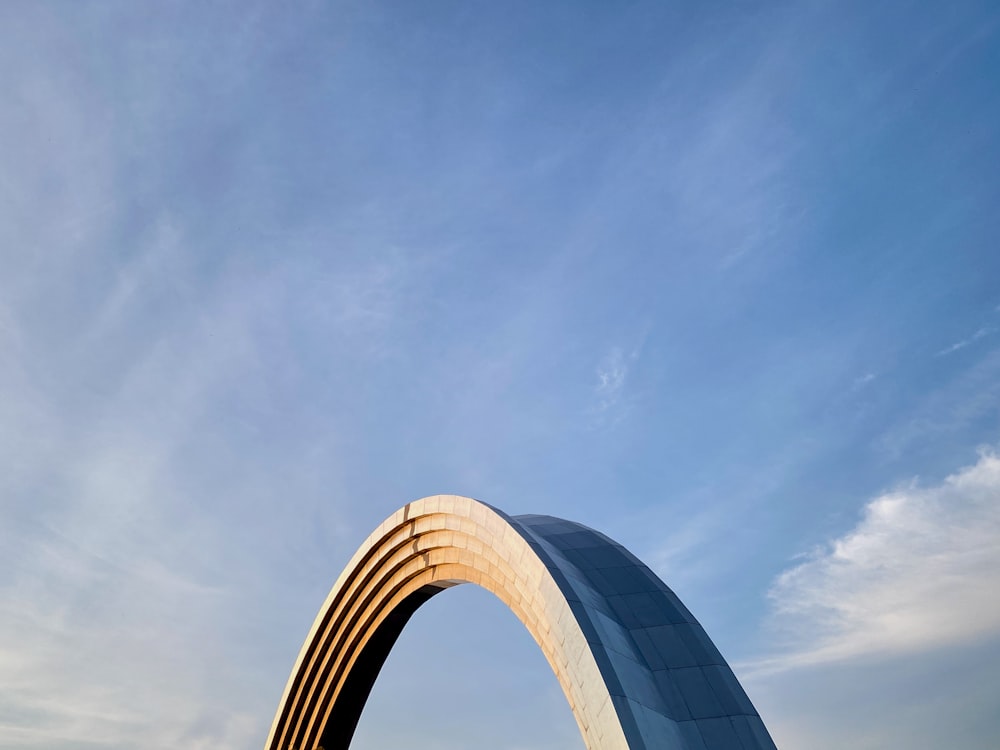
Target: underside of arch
638,670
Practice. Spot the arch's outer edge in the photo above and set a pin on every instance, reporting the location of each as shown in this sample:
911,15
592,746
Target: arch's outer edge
638,670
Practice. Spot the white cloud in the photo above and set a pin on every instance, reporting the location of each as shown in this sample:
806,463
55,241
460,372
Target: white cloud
920,571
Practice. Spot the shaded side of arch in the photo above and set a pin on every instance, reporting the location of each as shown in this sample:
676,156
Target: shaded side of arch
637,669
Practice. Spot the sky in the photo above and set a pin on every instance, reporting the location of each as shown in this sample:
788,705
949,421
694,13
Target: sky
721,280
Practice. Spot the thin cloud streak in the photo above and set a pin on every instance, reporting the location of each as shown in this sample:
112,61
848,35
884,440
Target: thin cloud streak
979,334
947,411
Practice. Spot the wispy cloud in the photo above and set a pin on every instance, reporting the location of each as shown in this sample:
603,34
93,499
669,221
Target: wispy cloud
120,564
611,400
919,571
863,380
972,394
979,334
611,374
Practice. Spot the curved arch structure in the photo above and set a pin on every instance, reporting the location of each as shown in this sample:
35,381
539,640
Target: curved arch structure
636,667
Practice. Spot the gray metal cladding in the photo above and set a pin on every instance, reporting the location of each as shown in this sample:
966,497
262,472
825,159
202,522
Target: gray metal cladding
671,686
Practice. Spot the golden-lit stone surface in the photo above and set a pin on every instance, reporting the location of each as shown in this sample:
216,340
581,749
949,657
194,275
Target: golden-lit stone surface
637,669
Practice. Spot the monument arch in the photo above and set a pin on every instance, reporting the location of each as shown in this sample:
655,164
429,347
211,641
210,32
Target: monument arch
638,670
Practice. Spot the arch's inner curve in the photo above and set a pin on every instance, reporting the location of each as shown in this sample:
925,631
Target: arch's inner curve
638,670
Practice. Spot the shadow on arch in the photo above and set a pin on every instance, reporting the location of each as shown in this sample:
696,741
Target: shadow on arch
638,670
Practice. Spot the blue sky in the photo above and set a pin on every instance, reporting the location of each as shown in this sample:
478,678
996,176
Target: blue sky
719,279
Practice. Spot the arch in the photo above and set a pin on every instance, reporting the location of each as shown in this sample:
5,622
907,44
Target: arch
638,670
